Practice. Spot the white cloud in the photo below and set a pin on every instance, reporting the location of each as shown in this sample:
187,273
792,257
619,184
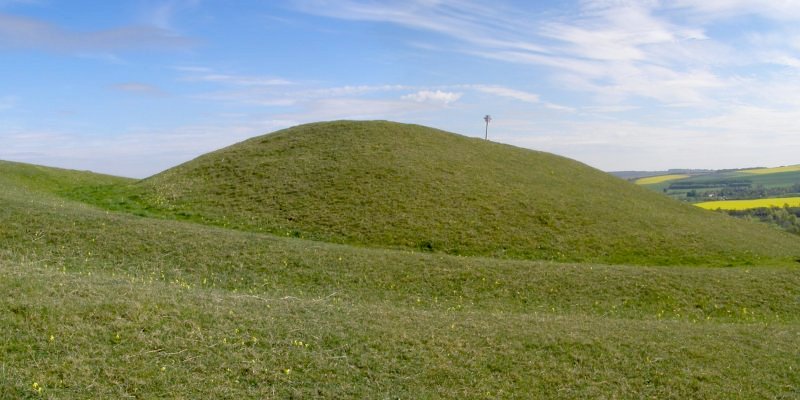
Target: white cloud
192,69
617,50
351,90
643,146
722,9
139,88
162,14
355,108
428,96
241,80
278,95
756,123
29,33
508,92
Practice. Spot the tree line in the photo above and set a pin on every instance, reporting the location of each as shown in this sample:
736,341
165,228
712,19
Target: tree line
786,218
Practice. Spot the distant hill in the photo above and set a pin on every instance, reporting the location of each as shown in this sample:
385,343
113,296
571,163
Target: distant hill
394,185
731,184
644,174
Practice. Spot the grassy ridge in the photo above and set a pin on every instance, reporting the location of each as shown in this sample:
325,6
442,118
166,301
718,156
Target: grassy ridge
384,184
100,304
14,175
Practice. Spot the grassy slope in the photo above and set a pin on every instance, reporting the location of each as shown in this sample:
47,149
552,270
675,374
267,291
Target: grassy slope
53,180
385,184
107,305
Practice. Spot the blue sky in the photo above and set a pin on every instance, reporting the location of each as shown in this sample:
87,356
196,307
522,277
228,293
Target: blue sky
134,87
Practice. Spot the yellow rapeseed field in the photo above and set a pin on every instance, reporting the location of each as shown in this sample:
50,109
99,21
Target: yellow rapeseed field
659,179
746,204
762,171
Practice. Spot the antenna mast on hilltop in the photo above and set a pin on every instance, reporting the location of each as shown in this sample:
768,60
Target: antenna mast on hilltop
487,118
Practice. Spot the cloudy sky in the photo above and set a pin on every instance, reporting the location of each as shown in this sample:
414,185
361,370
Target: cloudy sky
133,87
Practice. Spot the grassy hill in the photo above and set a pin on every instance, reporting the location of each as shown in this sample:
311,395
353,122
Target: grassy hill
102,304
384,184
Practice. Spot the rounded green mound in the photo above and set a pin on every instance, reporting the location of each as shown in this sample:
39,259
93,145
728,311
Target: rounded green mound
388,184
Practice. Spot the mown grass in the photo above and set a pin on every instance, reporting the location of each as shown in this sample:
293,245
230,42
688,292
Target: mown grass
78,336
749,204
389,185
99,304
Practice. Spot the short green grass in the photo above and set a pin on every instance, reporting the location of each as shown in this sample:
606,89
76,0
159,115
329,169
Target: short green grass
390,185
101,304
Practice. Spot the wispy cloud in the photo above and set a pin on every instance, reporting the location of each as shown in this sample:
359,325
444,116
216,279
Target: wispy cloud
240,80
139,88
162,15
29,33
721,9
468,21
508,92
615,50
351,90
192,69
358,108
429,96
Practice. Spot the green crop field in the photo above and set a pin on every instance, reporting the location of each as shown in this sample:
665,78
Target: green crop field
116,288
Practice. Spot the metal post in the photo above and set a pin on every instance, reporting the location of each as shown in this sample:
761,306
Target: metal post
487,118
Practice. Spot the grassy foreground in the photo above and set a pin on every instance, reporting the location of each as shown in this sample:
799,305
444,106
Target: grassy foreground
98,304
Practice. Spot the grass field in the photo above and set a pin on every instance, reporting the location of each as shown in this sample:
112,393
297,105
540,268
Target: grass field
100,304
749,204
660,179
108,304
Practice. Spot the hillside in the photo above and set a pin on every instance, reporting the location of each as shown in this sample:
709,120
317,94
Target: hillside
384,184
101,304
